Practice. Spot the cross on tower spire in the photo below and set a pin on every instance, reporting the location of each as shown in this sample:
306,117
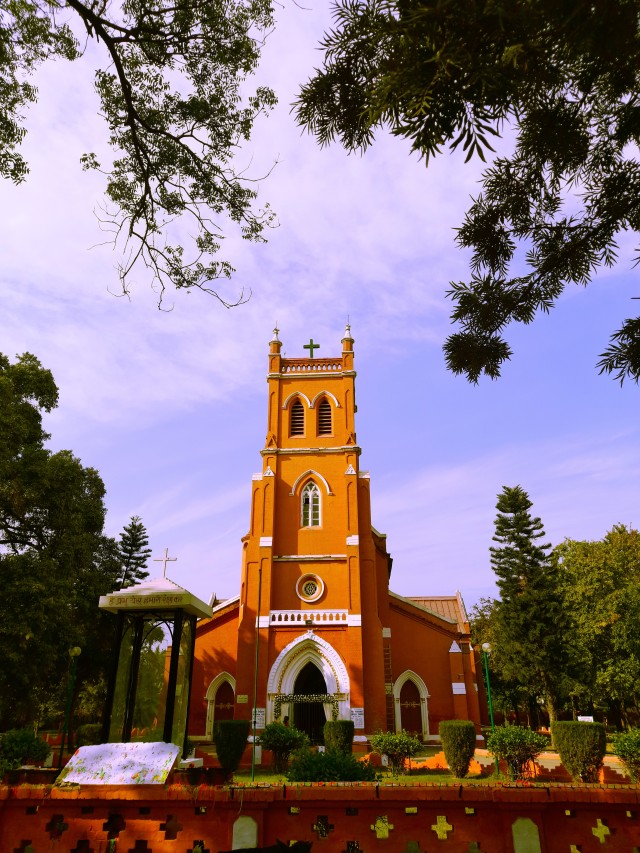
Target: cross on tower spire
164,560
311,346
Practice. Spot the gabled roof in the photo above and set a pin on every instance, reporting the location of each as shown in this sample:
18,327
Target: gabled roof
422,608
451,607
159,593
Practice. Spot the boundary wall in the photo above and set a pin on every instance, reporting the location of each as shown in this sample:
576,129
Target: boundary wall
336,817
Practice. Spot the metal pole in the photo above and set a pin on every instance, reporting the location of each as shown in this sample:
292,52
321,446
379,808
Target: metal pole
255,678
485,655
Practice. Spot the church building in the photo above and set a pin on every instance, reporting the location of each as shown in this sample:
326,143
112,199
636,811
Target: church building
315,632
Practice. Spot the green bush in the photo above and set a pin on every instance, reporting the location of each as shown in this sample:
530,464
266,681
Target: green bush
627,747
282,741
230,738
459,743
88,734
330,766
397,747
581,747
518,747
21,746
338,735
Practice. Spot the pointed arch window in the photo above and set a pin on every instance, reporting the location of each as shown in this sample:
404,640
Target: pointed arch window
324,417
296,419
310,509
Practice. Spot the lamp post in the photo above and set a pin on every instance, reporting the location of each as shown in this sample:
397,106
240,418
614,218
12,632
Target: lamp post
73,654
486,651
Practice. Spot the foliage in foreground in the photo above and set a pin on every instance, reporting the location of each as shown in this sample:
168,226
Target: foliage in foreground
459,744
627,747
330,766
397,746
338,735
230,738
518,747
21,746
581,747
171,84
455,73
282,740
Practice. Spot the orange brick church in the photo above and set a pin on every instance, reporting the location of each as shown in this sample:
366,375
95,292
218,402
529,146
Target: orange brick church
315,632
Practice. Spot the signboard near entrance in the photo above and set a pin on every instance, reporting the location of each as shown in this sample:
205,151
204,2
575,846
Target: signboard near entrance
357,715
260,718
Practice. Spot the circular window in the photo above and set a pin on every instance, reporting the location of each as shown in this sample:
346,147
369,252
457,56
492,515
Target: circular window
309,588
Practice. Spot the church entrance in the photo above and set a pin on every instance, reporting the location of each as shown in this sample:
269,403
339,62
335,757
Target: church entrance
410,712
309,717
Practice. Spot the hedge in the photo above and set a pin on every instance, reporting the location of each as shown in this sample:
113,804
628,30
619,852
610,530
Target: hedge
581,747
282,741
332,766
518,747
338,735
459,743
627,747
230,738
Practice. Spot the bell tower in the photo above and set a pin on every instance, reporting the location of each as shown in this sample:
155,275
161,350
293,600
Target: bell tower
314,572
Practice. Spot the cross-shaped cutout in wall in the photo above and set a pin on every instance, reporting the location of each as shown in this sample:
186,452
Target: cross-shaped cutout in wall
56,826
114,826
601,830
171,827
322,826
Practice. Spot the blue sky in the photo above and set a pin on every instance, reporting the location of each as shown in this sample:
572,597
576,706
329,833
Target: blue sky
170,407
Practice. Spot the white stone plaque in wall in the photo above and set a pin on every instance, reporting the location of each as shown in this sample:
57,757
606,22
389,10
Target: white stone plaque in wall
121,764
357,715
260,717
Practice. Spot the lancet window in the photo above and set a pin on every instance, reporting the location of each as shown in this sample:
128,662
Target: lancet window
324,417
296,419
310,505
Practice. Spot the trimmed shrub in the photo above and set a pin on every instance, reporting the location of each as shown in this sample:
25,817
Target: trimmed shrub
331,766
21,746
518,747
397,747
230,738
282,741
88,734
338,735
459,743
581,747
627,747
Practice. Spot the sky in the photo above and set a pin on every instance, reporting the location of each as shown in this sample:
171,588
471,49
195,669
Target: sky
170,406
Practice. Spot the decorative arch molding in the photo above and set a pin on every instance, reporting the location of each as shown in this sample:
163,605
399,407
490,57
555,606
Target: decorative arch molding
285,405
309,648
210,696
313,474
410,675
327,394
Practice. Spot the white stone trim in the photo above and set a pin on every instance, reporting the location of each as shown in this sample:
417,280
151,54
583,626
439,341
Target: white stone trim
210,697
285,405
266,541
364,475
353,540
268,472
354,620
386,633
350,470
309,648
297,618
262,622
308,558
313,475
316,451
458,688
256,476
325,394
410,675
454,648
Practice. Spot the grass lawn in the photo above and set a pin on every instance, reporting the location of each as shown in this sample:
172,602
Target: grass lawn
266,776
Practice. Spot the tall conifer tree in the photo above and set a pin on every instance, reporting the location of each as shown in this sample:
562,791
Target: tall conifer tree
133,552
533,629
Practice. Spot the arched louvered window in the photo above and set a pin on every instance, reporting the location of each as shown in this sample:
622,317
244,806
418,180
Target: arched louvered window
324,417
310,516
296,419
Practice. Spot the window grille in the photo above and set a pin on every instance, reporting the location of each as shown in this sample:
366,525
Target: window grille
324,418
296,424
310,505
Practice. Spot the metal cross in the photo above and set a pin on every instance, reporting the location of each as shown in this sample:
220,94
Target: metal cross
311,346
164,560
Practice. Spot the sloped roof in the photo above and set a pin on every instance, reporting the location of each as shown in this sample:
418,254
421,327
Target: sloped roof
450,606
154,594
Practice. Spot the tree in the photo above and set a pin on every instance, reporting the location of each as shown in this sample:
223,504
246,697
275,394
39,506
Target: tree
530,619
454,73
133,552
171,92
601,586
54,560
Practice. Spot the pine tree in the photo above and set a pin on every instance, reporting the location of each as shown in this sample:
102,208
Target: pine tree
133,552
533,628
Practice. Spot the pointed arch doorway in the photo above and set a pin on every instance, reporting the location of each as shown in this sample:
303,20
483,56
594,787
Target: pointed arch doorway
310,717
